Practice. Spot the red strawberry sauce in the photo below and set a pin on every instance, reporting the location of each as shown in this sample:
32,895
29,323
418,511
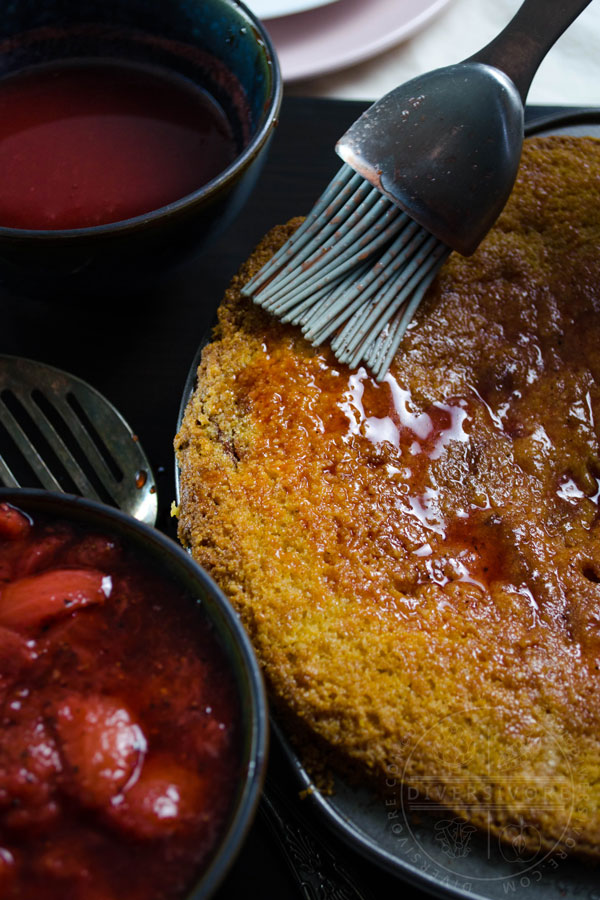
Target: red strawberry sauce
118,747
87,143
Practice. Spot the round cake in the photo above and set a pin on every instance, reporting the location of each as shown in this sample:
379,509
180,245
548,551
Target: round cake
417,561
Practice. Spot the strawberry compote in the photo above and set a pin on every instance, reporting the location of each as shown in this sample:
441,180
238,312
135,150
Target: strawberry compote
118,752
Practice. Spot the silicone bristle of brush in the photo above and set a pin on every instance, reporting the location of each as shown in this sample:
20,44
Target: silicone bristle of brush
354,272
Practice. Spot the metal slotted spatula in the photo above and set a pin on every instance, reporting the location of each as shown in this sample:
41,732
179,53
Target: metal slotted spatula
59,433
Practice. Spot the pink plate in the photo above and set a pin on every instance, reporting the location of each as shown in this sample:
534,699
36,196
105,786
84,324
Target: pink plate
269,9
346,32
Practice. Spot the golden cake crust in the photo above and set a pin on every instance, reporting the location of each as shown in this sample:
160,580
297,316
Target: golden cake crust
418,562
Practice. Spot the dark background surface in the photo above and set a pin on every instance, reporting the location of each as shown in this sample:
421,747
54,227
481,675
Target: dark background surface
137,350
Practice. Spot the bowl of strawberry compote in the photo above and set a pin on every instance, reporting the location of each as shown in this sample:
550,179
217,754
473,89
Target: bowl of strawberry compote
133,720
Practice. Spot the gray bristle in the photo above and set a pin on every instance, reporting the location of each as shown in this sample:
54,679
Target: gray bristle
354,272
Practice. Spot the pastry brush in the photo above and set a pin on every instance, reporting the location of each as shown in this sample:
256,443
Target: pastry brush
427,170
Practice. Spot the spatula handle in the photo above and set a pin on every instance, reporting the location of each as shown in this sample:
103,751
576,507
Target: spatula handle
519,49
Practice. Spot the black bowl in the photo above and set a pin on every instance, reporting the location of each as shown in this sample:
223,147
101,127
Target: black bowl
178,566
217,44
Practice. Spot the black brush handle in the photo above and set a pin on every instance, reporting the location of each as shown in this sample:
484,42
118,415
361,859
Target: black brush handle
520,48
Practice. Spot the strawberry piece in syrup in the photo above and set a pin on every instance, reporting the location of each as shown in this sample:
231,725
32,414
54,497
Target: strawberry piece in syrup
13,523
166,798
40,554
16,654
29,602
29,765
102,746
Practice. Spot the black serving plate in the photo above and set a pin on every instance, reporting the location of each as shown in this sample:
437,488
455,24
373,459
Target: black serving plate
138,354
440,855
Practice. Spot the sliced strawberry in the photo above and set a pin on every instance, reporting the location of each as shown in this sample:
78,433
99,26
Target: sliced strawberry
95,550
29,602
29,765
101,744
40,555
166,798
16,653
82,642
13,523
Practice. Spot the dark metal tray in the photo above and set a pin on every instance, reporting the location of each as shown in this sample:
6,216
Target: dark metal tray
137,352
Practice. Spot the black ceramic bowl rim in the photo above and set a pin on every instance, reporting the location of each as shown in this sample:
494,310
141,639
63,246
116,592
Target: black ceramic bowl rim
271,107
176,560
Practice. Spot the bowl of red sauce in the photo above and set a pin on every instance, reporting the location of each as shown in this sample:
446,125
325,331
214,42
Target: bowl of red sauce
133,721
131,134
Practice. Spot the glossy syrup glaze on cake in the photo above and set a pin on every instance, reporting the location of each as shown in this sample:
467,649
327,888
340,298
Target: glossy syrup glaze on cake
418,561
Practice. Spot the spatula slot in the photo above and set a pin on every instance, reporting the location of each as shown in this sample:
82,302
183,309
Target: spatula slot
28,453
14,469
72,446
100,445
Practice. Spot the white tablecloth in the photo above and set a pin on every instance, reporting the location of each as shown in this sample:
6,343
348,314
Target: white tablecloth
569,75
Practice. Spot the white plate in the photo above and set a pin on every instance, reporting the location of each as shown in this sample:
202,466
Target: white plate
270,9
344,33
